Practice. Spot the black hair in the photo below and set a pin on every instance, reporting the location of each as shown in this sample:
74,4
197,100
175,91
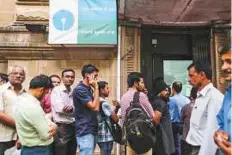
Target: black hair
177,86
40,81
4,77
202,66
54,75
133,77
102,85
67,70
88,69
224,49
193,93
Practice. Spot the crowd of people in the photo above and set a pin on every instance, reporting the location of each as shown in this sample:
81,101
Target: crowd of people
54,116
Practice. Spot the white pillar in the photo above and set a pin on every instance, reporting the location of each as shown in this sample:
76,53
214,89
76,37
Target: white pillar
118,77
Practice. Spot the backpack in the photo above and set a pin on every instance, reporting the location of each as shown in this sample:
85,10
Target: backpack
114,128
140,131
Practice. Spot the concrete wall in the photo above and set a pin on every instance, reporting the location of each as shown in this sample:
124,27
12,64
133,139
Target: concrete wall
7,11
48,67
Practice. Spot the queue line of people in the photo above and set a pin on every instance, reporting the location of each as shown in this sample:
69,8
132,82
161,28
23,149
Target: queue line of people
52,118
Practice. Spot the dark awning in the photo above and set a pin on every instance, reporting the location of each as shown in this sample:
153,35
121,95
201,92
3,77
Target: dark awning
177,12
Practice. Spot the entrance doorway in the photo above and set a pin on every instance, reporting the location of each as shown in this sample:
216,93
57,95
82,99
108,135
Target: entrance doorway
176,70
167,52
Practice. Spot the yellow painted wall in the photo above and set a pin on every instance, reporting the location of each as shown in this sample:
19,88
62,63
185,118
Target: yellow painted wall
7,11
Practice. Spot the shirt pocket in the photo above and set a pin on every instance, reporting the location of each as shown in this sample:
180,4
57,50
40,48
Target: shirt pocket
199,117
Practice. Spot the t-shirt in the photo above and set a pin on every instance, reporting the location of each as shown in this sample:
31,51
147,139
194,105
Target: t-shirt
165,142
85,118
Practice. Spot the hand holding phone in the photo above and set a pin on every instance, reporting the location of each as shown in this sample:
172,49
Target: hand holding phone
92,81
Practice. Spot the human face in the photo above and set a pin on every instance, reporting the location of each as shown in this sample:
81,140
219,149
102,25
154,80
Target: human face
16,76
164,94
226,65
94,75
106,91
195,79
141,85
68,78
55,81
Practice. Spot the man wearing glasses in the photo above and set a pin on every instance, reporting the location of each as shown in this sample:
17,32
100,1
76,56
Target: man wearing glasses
9,93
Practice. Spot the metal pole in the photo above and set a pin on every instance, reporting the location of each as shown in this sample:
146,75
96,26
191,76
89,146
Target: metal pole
118,77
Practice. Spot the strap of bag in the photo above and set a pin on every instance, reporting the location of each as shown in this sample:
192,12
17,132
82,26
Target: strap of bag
104,117
101,110
136,97
108,126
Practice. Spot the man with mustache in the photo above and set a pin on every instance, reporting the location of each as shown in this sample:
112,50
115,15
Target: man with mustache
63,115
203,122
223,136
9,93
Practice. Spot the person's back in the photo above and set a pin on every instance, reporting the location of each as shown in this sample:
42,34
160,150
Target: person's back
127,98
34,130
27,111
136,84
181,101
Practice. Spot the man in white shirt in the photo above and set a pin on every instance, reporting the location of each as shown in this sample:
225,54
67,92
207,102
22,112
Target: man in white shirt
203,122
9,93
62,113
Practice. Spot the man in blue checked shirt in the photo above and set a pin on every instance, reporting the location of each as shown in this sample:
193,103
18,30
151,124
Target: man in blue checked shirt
106,114
222,137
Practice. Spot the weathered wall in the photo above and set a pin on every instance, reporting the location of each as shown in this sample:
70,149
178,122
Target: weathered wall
7,12
130,54
48,67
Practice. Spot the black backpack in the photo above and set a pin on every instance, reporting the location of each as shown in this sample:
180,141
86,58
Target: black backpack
114,128
140,131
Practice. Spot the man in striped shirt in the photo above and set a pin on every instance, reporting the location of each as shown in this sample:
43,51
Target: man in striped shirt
135,83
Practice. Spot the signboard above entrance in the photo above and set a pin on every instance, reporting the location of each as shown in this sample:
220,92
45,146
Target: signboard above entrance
83,22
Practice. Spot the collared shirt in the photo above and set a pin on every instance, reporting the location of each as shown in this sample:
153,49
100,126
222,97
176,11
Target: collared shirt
127,98
224,115
61,97
86,119
177,101
31,124
104,134
203,122
8,99
185,118
173,110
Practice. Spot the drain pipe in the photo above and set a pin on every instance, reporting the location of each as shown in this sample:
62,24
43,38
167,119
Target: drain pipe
118,77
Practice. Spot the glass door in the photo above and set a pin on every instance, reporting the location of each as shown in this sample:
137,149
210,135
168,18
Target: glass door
176,70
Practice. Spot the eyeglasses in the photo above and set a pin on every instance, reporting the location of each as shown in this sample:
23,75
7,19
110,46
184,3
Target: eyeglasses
17,73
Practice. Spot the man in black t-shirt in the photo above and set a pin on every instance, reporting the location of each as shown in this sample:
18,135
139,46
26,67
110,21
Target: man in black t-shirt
164,143
86,103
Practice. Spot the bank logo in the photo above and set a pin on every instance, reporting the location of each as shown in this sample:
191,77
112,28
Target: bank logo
63,20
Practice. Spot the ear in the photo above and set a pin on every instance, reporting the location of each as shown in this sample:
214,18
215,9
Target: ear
41,89
136,83
202,74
